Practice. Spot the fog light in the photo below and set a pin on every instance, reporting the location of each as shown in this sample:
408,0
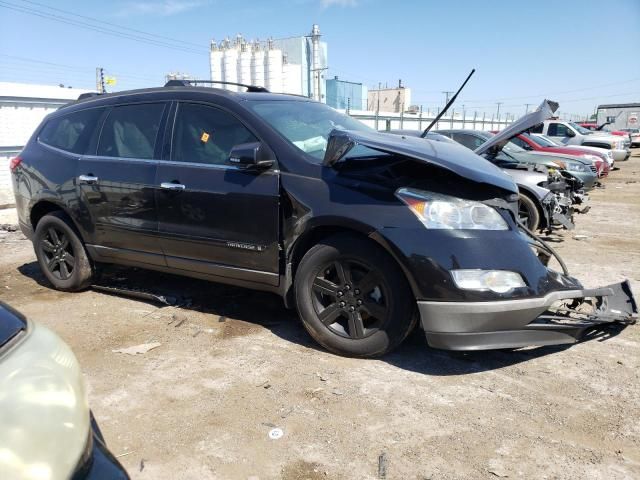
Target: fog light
499,281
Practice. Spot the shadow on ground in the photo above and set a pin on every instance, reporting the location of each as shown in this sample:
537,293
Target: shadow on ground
267,310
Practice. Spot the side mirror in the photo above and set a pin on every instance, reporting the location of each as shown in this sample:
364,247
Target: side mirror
251,156
570,133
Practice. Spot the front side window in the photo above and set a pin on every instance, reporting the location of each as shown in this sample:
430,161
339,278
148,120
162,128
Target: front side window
204,134
71,132
130,131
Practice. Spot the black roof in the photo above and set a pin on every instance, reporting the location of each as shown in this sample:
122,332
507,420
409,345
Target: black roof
166,92
619,105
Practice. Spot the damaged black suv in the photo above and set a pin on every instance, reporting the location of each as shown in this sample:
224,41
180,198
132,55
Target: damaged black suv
365,233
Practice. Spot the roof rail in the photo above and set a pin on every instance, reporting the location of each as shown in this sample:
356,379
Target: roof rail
88,95
190,83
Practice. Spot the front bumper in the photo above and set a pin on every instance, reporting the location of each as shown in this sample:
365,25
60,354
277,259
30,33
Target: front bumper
98,462
621,155
525,322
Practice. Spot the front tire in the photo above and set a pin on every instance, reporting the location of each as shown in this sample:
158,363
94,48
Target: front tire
61,253
353,298
528,212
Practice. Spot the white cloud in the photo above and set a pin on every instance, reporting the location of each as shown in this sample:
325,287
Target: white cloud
339,3
163,8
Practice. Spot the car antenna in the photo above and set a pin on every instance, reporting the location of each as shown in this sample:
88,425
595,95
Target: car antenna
446,107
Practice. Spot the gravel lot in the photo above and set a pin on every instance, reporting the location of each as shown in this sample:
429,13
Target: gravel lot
234,364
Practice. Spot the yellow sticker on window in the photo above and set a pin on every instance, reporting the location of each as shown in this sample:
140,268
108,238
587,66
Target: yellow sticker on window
205,137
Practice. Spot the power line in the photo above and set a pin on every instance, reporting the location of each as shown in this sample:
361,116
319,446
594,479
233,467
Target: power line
95,28
96,20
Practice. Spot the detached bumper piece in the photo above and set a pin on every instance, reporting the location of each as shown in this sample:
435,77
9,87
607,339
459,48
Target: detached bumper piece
559,317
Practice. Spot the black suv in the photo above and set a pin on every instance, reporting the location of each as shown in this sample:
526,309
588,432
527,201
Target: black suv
364,232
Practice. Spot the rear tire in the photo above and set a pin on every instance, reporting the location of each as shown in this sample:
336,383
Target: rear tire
528,212
353,298
61,253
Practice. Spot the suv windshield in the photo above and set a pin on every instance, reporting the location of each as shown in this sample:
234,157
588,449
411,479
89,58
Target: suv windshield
580,129
307,125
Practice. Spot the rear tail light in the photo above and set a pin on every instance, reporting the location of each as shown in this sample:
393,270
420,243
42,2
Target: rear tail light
13,164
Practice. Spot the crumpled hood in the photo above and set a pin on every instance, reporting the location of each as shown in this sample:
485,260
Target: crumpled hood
544,111
455,158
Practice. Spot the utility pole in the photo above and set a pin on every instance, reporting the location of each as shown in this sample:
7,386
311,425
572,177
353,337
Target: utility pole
527,107
447,96
498,112
100,80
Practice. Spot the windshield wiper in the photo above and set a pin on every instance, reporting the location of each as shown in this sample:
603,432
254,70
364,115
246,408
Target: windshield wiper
446,107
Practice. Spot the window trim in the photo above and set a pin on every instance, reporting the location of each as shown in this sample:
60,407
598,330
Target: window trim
110,109
171,133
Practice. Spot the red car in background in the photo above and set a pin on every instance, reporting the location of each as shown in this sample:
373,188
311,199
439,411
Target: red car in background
536,143
594,127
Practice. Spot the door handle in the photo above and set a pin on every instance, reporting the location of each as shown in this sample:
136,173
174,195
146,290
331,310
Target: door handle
87,179
172,186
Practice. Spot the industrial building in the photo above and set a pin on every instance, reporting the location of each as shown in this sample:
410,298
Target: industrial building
22,108
342,94
294,65
620,115
394,100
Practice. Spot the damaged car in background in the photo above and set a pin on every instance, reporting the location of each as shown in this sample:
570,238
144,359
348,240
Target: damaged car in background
48,431
365,233
544,197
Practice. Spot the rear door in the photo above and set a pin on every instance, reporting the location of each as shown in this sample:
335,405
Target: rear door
117,184
558,131
216,218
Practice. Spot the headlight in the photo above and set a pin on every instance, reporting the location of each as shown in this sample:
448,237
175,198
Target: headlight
439,211
577,167
45,414
499,281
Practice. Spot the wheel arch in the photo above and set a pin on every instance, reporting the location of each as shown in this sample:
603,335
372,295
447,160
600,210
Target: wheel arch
315,235
544,217
43,207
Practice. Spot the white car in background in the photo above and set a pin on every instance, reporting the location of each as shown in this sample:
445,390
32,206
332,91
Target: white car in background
634,134
569,133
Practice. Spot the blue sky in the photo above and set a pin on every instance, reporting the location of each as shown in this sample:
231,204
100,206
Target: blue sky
580,53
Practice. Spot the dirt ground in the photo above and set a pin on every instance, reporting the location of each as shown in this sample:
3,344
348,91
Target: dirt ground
234,364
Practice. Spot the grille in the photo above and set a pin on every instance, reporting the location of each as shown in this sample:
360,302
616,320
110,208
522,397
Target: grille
593,169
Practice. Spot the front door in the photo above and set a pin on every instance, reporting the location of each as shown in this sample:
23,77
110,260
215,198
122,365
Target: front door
117,184
216,218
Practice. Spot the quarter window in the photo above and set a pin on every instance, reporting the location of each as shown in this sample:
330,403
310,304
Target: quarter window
206,134
130,131
71,132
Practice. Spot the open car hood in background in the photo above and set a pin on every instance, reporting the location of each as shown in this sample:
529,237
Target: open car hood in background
530,120
455,158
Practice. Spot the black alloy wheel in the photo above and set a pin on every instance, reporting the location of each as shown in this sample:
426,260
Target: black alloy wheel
61,253
353,298
350,298
57,252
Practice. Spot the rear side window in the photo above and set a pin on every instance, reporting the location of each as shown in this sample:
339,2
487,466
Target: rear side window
538,128
557,130
206,135
130,131
71,132
470,141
